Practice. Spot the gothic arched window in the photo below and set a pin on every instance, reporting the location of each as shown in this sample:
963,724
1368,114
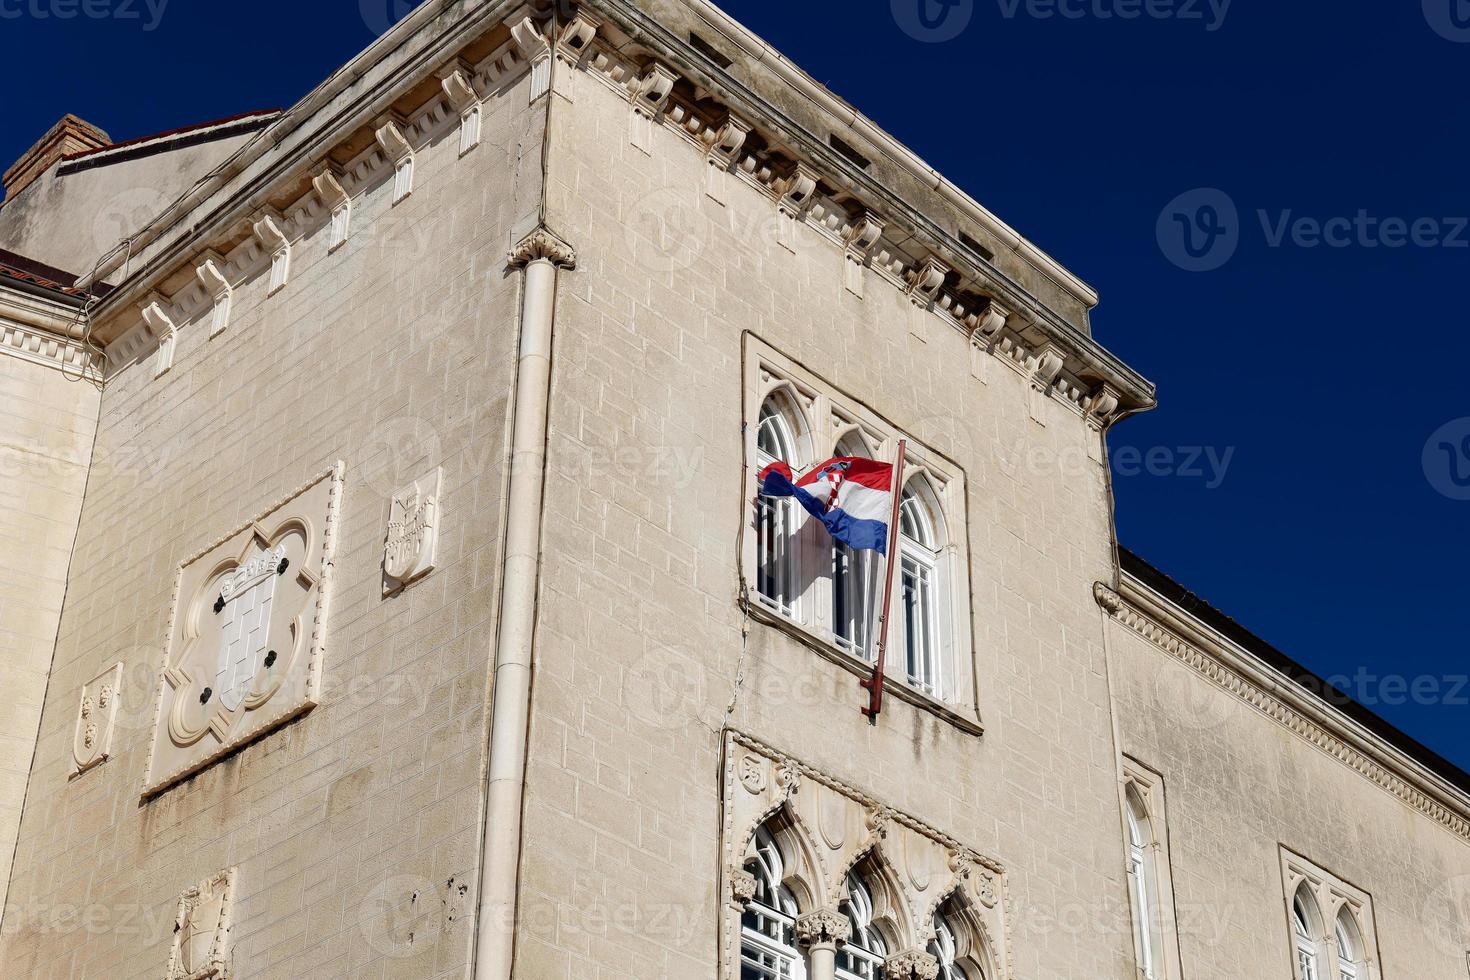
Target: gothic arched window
1143,884
1349,947
778,521
862,956
767,927
853,577
1306,927
921,596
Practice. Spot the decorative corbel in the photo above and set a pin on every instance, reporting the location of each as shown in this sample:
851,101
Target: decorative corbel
1105,400
724,151
388,131
576,37
863,236
533,47
653,90
799,190
926,280
742,888
991,322
329,188
1049,363
211,273
459,89
158,316
269,230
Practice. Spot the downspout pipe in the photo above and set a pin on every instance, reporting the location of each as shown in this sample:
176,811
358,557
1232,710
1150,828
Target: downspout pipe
541,255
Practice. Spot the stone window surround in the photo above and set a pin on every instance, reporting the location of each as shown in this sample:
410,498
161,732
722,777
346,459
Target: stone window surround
1332,895
843,414
1148,785
830,827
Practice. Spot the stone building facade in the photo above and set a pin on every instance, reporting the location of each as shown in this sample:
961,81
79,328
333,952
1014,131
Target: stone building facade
393,599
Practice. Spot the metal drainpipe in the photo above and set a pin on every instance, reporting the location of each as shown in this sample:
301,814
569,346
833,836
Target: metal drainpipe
541,254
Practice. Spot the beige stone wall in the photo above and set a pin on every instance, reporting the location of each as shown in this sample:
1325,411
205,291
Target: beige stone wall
356,828
1240,785
50,420
639,593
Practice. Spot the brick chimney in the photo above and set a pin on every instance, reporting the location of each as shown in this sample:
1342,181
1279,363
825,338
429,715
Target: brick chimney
70,135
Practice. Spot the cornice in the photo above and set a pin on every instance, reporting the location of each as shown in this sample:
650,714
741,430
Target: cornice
1272,693
808,181
45,333
1091,366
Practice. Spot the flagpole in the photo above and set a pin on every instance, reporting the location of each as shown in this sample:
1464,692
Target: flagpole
874,685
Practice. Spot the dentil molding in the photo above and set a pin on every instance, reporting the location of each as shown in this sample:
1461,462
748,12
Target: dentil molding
1328,730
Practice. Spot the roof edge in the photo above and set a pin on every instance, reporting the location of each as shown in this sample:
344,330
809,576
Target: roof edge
1304,683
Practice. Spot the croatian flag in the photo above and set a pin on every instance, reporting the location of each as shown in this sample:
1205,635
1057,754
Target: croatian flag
853,497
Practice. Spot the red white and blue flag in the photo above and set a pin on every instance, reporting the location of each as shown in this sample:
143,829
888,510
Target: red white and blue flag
853,497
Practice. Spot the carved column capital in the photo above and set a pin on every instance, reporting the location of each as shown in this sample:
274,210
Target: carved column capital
911,964
742,887
824,927
542,244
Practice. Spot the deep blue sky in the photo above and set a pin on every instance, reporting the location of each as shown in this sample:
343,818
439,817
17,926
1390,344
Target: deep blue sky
1323,371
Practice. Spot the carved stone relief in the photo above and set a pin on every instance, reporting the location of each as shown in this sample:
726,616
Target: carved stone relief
246,637
96,716
830,827
202,946
412,544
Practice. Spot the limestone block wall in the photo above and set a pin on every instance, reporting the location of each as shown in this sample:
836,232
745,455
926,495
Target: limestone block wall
45,448
641,655
354,830
1241,785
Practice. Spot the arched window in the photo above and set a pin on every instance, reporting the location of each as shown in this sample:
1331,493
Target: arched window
1143,884
862,956
1349,947
959,942
1306,927
921,595
778,521
767,927
853,578
946,949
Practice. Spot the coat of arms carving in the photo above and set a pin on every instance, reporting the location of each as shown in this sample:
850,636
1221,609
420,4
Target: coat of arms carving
413,532
96,718
201,949
245,642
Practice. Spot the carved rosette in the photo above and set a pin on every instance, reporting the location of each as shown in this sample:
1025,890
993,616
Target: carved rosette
824,927
540,245
911,964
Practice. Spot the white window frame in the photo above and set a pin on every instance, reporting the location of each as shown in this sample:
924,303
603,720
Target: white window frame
1150,875
829,416
789,961
1333,899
